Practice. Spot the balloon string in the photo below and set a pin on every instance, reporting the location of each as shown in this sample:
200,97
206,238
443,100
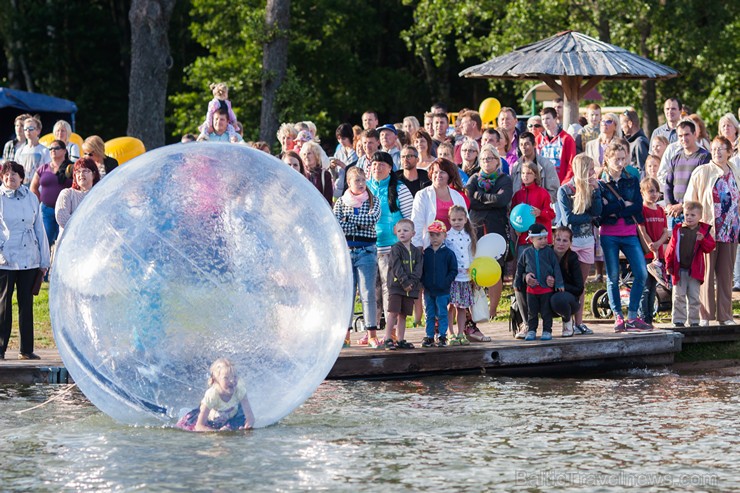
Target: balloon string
56,397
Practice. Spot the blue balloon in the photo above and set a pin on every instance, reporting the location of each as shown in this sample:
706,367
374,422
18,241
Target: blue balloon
521,218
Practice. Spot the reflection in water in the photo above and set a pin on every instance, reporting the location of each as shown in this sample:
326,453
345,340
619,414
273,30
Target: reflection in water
471,433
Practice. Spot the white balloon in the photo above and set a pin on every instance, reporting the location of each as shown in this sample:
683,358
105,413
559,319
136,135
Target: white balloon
491,245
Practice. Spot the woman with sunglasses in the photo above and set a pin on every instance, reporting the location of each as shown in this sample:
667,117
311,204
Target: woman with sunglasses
608,131
94,148
48,182
32,155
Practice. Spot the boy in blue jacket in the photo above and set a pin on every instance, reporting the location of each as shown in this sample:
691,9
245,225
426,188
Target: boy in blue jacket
538,273
440,269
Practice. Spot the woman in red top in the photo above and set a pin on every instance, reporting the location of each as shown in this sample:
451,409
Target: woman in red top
534,195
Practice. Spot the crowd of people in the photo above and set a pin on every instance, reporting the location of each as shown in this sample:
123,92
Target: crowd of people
41,188
606,199
412,198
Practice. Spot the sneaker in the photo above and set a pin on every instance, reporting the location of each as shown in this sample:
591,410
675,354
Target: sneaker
389,345
656,269
703,323
374,343
729,322
454,341
347,343
619,324
404,344
442,342
463,340
568,329
522,333
679,324
637,325
28,356
582,329
363,340
546,336
427,342
531,336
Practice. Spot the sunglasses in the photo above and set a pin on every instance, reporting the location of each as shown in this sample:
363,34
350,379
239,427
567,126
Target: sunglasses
29,129
536,125
55,148
88,154
607,122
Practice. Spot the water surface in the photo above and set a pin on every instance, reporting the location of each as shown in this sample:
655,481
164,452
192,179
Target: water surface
656,430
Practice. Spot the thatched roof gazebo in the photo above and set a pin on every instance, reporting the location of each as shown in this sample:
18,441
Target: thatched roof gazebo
572,58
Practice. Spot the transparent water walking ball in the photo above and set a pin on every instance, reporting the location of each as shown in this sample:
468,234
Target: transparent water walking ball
194,252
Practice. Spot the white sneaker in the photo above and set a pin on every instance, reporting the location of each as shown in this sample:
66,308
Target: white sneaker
568,329
703,323
729,322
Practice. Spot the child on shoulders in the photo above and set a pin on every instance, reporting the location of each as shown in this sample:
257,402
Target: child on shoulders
220,100
539,269
438,273
404,280
685,262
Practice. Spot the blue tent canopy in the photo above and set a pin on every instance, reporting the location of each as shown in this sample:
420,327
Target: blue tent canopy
14,102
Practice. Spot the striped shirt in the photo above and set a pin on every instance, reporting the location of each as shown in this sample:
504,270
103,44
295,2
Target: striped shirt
680,168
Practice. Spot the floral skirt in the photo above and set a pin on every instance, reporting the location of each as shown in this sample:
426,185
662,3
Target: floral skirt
188,421
461,294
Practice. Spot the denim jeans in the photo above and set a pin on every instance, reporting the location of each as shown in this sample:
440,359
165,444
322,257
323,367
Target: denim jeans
364,269
630,246
648,300
436,307
50,223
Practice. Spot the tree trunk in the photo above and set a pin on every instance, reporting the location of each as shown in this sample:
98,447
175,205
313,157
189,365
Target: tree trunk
274,64
647,87
150,63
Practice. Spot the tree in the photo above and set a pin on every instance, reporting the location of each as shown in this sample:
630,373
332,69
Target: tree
274,64
150,63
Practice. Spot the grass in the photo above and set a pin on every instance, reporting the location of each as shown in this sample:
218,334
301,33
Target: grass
709,351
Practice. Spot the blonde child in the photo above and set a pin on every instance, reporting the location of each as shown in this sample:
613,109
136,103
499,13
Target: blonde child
404,283
655,234
220,100
461,240
225,405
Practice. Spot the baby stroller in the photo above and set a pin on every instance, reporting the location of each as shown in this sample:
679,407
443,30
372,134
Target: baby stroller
600,302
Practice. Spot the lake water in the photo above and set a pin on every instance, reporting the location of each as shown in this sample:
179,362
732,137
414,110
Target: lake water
653,429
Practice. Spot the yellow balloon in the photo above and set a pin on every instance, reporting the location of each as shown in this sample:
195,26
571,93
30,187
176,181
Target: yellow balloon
485,271
124,148
489,110
48,138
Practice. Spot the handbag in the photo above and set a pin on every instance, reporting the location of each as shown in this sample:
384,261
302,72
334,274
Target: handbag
640,228
479,311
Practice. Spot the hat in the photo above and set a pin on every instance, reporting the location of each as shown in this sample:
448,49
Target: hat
387,126
303,136
383,157
437,227
536,231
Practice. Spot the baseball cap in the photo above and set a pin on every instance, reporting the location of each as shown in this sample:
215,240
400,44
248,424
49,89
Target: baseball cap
437,227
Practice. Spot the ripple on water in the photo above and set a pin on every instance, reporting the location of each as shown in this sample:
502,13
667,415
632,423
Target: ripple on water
466,433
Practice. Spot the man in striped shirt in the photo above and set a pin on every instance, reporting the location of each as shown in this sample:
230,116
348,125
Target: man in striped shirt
680,168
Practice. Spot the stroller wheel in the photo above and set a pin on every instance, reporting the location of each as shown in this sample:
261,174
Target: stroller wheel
600,305
359,323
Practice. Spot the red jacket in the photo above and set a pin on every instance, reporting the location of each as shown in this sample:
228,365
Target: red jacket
700,248
539,197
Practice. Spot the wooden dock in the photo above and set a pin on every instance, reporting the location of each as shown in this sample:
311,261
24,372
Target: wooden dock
604,350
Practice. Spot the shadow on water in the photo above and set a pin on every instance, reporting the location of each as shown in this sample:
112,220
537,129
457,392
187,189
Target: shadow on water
654,429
